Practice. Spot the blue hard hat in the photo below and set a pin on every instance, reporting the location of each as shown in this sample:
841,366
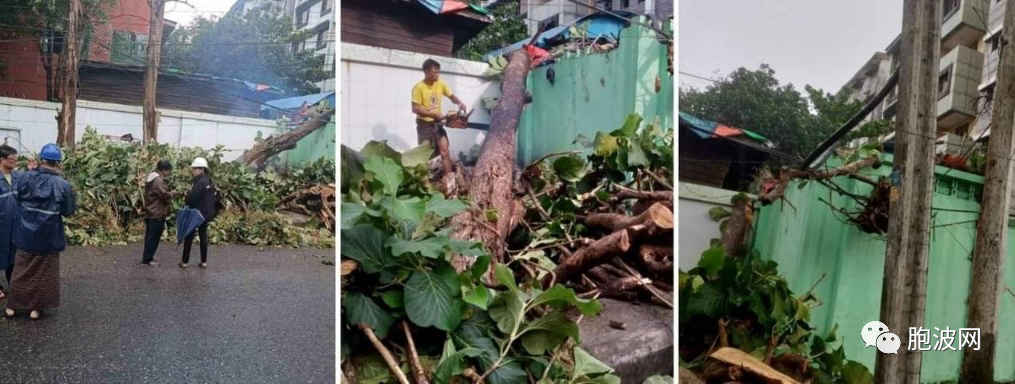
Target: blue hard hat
51,152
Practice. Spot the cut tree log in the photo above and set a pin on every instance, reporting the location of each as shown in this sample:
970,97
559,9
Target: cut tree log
657,259
657,213
736,358
598,253
257,156
643,205
490,186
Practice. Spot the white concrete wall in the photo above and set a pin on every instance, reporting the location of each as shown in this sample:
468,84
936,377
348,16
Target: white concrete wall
27,125
696,229
376,96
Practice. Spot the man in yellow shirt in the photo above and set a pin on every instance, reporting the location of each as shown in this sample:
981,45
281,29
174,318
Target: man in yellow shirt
426,104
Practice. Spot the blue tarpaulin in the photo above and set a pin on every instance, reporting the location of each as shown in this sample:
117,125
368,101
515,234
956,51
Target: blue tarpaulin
596,25
297,101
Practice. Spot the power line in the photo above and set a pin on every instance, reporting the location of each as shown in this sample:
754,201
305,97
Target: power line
698,77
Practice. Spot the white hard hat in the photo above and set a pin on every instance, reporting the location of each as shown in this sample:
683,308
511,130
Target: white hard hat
199,162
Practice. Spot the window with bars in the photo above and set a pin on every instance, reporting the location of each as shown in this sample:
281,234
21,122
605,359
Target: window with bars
949,8
944,82
128,48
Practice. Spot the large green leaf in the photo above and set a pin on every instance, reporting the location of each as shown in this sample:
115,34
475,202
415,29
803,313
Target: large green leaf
585,364
417,156
454,364
394,298
360,309
404,209
558,296
365,244
718,213
387,172
505,276
372,370
431,247
709,300
569,168
351,212
538,343
508,310
712,261
479,296
606,145
429,301
630,127
471,335
556,322
381,148
856,373
442,207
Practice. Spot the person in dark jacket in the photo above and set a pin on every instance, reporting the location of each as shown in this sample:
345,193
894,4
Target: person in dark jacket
8,212
201,198
157,200
45,199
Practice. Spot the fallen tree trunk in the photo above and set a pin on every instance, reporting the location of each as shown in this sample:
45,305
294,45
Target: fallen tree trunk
490,187
256,157
775,188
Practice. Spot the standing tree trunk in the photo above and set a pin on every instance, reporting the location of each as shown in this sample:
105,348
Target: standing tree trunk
922,197
488,220
69,68
907,245
151,78
991,230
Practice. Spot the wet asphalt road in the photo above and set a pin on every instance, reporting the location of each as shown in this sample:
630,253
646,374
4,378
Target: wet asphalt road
252,317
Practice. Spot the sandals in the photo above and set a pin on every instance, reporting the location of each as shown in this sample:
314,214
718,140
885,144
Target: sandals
184,265
9,312
2,294
203,265
35,315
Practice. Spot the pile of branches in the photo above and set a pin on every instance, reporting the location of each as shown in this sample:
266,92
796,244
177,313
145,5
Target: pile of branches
109,181
317,201
602,224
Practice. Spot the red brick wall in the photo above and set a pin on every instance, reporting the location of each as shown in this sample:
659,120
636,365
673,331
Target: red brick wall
24,76
126,15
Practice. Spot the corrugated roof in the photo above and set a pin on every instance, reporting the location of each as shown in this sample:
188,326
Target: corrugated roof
297,102
598,24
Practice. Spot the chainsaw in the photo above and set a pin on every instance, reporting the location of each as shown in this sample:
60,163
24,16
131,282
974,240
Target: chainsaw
457,119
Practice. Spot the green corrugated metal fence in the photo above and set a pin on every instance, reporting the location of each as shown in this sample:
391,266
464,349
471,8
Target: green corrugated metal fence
316,145
810,239
596,92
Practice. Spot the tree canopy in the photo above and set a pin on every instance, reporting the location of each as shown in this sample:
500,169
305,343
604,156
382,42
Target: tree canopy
755,100
507,28
256,46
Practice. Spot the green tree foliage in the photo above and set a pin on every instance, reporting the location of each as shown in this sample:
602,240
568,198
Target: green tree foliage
257,46
507,28
756,100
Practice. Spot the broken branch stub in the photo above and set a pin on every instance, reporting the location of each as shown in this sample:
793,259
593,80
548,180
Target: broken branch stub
490,186
593,255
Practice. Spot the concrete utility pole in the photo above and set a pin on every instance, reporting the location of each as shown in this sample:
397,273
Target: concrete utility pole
151,77
903,294
992,227
66,116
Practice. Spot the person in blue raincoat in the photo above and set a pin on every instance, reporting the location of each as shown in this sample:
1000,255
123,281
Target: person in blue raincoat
8,211
44,198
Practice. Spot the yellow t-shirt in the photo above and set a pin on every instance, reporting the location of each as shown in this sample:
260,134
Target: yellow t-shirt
430,96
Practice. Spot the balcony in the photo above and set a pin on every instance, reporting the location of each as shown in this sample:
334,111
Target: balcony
958,80
963,22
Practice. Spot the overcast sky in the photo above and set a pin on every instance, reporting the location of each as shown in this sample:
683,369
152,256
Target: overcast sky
183,14
817,42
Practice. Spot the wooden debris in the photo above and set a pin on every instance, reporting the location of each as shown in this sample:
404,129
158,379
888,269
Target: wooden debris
318,201
733,358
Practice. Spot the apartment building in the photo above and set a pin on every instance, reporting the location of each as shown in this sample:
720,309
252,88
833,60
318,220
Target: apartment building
279,7
659,9
964,68
318,16
551,13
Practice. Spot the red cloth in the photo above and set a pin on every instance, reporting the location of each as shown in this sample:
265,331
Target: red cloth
537,55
